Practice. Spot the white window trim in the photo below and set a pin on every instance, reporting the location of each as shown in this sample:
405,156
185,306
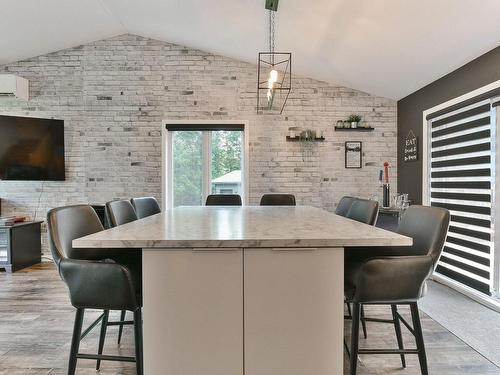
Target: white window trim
470,292
166,161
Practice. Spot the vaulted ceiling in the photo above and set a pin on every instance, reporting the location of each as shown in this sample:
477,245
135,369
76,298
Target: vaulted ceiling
385,47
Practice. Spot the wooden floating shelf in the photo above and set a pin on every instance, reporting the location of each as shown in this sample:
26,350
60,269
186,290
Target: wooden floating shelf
353,129
299,139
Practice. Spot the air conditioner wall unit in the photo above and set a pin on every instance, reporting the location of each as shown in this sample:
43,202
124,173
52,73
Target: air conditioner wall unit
14,86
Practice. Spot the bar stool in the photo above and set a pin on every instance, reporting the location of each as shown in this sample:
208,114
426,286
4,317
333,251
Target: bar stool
92,284
397,276
223,200
344,205
145,206
278,200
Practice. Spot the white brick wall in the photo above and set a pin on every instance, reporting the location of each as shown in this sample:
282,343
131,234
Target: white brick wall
113,95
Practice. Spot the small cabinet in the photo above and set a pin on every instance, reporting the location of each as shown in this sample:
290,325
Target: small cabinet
20,246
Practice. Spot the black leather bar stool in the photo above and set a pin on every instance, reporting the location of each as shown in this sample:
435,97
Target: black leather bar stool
363,210
145,206
396,276
223,200
122,212
278,200
344,205
92,284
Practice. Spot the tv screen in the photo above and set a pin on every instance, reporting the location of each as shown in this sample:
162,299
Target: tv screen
31,149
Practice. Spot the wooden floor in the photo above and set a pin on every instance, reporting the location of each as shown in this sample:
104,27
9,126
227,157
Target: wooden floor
36,321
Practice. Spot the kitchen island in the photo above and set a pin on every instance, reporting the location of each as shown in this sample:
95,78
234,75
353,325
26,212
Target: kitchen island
243,290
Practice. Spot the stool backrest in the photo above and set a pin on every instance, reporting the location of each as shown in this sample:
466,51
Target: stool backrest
223,200
364,211
278,200
65,224
120,212
145,206
344,205
428,226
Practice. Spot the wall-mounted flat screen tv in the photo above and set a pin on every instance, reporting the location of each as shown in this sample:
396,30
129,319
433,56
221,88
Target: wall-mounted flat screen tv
31,149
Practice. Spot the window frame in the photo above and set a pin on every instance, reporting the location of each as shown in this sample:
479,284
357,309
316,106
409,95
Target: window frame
167,167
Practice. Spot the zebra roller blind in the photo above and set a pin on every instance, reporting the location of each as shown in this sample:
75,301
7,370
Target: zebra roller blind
461,178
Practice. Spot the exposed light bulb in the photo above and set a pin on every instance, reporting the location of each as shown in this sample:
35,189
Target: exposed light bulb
273,78
273,74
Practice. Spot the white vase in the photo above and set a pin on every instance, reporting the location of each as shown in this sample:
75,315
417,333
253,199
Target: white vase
354,124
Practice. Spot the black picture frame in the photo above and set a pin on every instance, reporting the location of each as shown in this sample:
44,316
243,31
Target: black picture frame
353,154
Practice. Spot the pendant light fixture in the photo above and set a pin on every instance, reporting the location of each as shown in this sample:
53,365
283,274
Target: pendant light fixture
274,74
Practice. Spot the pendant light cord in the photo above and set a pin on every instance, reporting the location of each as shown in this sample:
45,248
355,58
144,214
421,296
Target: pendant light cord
272,24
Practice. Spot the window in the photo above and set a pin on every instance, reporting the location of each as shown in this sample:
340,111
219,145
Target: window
461,180
202,159
459,161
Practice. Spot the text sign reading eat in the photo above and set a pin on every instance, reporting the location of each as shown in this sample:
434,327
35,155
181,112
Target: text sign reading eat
411,147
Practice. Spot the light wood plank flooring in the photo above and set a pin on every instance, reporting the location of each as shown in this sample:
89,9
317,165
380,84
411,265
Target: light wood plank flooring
36,322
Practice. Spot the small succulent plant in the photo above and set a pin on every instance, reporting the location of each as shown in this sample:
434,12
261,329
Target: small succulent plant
354,118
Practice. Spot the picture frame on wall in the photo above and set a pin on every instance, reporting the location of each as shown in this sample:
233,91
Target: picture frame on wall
353,154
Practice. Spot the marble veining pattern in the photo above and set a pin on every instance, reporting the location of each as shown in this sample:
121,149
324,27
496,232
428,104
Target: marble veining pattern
248,226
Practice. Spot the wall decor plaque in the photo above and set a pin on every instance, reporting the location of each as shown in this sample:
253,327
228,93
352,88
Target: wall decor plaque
411,147
353,154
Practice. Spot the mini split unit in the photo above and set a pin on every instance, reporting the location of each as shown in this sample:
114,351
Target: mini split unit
14,86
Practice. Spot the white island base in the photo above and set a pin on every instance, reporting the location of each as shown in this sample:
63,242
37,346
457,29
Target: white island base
235,311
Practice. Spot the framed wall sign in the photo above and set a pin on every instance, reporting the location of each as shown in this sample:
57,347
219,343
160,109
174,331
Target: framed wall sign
411,147
353,154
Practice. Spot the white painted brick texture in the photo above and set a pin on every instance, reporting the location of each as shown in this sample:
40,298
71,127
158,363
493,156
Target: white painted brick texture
113,95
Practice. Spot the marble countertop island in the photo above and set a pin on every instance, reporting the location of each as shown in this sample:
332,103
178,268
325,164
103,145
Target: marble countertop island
247,226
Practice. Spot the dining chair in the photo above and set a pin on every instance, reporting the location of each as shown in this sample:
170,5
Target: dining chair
223,200
92,284
363,210
344,205
278,200
122,212
145,206
397,276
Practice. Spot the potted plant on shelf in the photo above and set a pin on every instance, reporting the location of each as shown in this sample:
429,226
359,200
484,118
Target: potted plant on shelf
354,120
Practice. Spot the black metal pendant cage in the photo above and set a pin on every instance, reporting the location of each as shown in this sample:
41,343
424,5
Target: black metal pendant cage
271,98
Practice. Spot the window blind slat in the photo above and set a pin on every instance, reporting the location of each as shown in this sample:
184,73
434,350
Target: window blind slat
475,284
463,173
462,126
472,221
462,150
481,260
462,138
461,184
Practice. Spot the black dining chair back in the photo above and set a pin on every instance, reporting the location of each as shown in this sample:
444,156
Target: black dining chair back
364,211
223,200
145,206
278,200
344,205
120,212
68,223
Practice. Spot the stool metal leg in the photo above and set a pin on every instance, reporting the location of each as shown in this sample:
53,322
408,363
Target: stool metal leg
399,336
363,322
120,328
356,317
102,337
422,358
138,341
75,341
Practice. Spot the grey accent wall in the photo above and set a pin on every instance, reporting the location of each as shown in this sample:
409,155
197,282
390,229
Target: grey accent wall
113,95
479,72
